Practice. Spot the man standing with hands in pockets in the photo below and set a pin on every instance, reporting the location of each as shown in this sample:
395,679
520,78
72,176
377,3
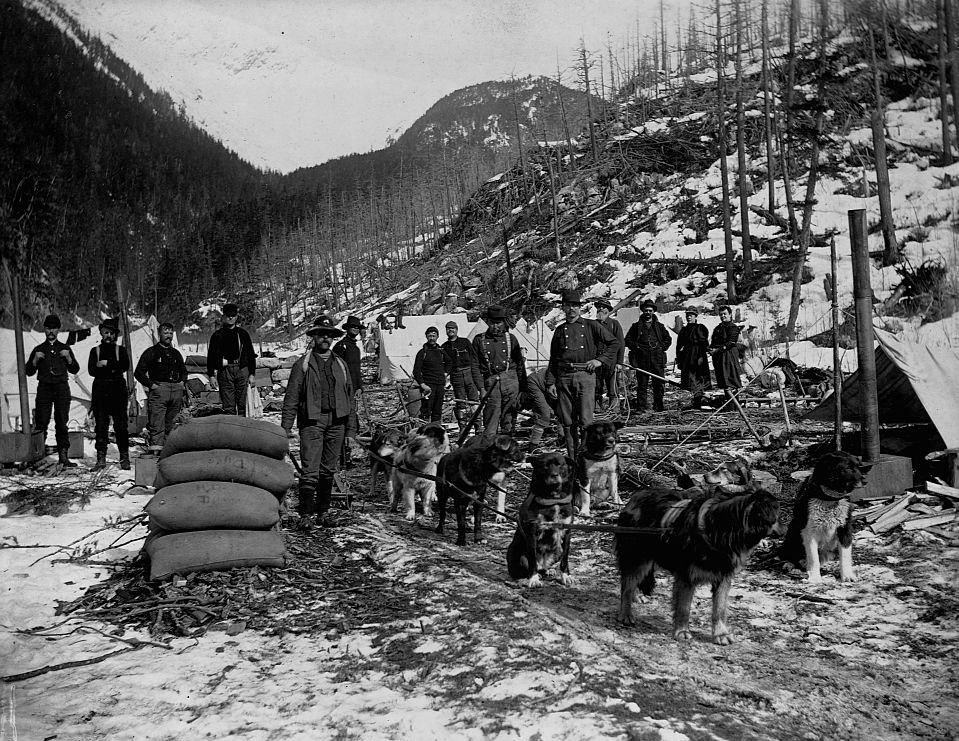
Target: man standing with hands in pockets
579,347
231,362
51,361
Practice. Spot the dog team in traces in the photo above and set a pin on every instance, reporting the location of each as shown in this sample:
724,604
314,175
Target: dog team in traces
702,531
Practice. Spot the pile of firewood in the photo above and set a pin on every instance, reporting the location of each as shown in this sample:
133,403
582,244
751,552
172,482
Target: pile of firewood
934,511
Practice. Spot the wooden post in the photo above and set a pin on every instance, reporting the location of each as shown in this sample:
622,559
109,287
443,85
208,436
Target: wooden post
836,360
25,424
877,119
862,292
782,399
125,328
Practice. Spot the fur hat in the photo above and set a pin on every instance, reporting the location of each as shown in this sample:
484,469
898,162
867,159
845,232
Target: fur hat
323,326
52,322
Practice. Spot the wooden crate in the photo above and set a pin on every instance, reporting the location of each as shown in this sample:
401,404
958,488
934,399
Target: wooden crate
15,447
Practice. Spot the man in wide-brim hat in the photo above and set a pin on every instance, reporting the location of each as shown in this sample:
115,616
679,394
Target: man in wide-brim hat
319,399
498,367
607,378
231,362
579,347
648,341
51,361
348,348
108,364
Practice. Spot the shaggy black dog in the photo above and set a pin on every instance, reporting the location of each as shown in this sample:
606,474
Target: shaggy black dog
700,538
483,459
537,544
822,516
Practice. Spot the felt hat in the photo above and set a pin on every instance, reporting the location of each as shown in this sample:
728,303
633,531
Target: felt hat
452,325
648,304
231,310
602,303
572,297
323,326
496,313
110,323
434,330
52,322
353,321
692,310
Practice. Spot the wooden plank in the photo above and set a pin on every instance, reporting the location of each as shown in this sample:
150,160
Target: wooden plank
946,491
898,507
917,523
890,522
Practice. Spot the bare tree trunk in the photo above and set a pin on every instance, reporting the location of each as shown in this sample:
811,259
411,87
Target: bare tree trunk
552,193
562,108
943,87
662,35
744,182
584,60
890,255
805,231
723,166
953,62
767,111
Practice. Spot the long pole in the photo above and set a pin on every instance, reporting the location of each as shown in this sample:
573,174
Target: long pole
836,359
862,293
21,358
125,326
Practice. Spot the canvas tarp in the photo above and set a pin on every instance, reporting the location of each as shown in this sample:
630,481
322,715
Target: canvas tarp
398,347
916,383
81,384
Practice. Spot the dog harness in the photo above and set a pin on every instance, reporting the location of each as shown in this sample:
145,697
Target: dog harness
672,514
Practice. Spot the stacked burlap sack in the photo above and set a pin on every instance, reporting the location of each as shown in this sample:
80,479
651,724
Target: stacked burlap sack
220,481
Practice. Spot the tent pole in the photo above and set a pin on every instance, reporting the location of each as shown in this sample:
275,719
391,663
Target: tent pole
862,292
21,358
836,360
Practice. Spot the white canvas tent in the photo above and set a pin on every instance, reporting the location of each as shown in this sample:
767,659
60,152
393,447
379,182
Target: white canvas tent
398,347
81,384
916,383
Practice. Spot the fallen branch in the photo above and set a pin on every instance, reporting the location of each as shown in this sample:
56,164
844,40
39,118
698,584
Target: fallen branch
69,664
811,598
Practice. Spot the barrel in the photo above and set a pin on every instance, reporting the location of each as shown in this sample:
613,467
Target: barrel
230,432
212,505
214,550
226,465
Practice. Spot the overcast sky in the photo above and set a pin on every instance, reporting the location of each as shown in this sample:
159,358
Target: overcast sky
288,83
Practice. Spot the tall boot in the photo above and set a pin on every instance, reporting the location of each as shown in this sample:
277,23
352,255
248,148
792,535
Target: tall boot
324,495
65,461
535,437
307,500
125,458
101,461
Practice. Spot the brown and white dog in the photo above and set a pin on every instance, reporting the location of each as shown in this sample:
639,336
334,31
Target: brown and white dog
483,459
597,466
700,538
423,449
538,545
385,443
822,516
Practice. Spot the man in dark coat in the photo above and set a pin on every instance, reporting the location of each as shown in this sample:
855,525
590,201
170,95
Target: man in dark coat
162,371
319,400
606,378
579,347
460,352
692,356
648,341
51,361
231,362
108,364
497,355
430,369
348,348
725,349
